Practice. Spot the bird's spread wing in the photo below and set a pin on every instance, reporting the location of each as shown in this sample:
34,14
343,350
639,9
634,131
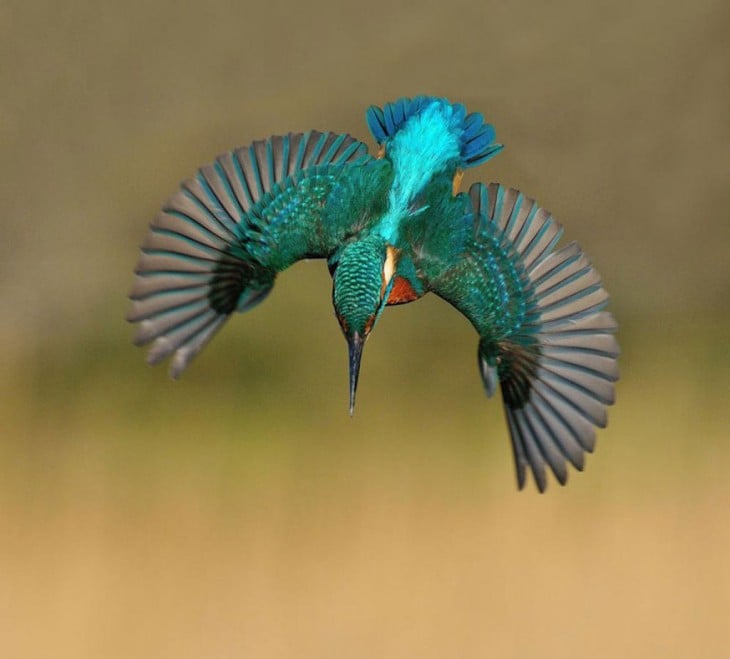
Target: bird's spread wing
544,335
219,241
473,139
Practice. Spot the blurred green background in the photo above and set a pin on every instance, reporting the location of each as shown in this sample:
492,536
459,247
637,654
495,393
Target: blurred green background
240,512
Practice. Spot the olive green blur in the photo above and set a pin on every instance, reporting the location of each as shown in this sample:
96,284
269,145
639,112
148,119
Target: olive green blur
241,512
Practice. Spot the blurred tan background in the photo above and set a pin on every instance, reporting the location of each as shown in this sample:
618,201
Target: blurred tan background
240,512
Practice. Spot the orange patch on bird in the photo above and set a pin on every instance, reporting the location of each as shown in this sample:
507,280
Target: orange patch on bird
456,183
389,265
402,292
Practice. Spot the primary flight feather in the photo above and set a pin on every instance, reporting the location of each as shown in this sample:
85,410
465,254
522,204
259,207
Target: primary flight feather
393,228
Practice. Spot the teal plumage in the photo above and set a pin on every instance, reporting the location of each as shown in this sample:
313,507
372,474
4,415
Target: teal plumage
393,228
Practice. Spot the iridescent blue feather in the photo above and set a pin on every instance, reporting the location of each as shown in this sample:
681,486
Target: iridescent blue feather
476,138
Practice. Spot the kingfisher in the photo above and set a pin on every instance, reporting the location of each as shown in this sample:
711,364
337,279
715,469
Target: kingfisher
393,226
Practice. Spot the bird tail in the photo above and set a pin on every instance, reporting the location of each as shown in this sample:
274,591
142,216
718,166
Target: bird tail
557,370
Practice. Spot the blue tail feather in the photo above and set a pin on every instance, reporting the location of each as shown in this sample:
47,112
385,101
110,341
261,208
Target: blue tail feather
476,138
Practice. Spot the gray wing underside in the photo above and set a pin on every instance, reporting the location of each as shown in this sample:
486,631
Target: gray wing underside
218,242
545,334
558,368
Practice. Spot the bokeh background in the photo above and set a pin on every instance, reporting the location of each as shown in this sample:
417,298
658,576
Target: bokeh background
240,512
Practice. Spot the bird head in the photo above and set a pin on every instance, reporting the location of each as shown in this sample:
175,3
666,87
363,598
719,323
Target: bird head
363,277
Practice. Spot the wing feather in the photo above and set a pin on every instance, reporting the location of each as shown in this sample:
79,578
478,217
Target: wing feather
219,241
540,315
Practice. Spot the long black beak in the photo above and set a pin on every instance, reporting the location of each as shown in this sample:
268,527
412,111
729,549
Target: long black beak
355,343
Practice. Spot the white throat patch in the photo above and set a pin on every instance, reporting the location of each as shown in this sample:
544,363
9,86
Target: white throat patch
391,260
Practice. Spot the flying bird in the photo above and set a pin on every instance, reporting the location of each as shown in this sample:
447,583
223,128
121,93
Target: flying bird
393,226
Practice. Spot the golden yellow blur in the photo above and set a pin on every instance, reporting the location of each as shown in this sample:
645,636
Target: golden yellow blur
240,512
